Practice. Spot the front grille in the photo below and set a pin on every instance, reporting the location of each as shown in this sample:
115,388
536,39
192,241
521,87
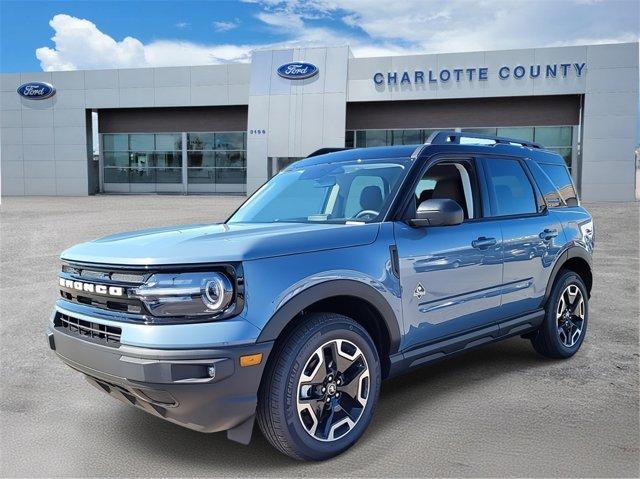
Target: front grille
103,276
102,333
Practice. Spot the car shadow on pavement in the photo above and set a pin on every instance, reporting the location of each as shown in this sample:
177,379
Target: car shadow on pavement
209,452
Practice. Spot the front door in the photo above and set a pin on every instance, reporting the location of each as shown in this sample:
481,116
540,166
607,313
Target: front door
450,275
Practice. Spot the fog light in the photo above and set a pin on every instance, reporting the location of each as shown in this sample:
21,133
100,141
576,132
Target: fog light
212,371
250,360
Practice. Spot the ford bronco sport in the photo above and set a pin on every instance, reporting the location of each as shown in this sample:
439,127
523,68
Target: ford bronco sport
344,269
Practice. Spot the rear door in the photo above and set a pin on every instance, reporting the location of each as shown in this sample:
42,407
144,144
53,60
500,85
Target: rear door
532,238
450,275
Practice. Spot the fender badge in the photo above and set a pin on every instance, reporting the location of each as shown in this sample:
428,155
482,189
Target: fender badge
419,291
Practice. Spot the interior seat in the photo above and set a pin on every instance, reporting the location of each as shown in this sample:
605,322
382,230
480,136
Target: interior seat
451,188
371,198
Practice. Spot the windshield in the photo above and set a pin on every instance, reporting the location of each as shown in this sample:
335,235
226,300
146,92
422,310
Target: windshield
326,193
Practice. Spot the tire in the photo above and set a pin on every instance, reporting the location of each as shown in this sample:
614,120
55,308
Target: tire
563,328
292,399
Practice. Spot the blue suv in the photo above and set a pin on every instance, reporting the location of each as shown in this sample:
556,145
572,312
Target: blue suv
346,268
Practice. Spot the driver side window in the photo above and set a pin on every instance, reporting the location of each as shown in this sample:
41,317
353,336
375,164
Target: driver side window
452,180
363,194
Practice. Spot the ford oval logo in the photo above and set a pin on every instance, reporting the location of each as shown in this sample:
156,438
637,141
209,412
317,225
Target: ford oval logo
36,90
297,70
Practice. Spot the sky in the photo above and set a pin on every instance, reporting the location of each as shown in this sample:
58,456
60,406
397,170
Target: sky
90,34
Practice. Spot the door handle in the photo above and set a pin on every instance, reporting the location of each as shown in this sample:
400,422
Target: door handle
548,234
483,243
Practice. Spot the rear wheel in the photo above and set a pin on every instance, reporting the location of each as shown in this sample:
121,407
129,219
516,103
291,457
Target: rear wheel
565,323
320,388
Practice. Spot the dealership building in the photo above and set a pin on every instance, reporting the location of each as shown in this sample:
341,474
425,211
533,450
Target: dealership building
228,128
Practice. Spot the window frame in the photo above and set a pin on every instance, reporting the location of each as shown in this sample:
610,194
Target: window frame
541,206
404,210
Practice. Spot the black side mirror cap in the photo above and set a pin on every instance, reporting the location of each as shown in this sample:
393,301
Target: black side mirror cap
438,212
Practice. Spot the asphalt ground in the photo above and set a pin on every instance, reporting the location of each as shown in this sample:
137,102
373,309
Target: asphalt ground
497,411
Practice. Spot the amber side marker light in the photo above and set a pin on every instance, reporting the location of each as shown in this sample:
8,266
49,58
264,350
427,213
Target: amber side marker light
250,360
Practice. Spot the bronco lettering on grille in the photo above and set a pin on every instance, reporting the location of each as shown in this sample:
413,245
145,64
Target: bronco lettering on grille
92,288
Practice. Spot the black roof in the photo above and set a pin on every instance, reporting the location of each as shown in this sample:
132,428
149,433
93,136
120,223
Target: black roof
408,151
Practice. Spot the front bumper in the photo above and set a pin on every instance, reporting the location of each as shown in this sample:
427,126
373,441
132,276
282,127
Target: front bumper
174,384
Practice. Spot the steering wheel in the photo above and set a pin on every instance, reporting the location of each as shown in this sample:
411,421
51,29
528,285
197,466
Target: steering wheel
366,212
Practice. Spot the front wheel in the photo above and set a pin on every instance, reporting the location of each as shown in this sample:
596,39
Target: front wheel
565,323
320,389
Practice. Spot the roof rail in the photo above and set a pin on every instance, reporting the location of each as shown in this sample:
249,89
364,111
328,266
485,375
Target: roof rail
449,137
323,151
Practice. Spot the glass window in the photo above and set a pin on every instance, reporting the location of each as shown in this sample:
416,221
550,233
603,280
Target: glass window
140,159
451,180
141,142
201,158
476,141
405,137
168,158
116,142
236,159
169,175
481,131
511,187
116,175
201,175
229,141
200,141
359,183
559,176
116,158
231,175
142,175
549,191
317,193
349,141
565,153
517,133
376,138
361,138
553,135
169,142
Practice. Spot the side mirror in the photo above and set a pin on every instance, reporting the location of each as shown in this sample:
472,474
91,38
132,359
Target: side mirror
438,212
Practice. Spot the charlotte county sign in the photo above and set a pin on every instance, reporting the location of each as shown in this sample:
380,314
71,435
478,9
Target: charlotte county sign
518,72
297,70
36,90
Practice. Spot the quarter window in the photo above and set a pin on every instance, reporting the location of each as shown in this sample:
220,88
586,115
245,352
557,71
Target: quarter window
559,175
511,187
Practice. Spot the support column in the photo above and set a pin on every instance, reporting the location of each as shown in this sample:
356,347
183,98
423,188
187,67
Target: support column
185,160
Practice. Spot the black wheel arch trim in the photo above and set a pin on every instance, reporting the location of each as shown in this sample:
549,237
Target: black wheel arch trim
570,253
326,290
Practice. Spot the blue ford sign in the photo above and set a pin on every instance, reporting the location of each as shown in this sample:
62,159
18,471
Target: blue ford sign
297,70
36,90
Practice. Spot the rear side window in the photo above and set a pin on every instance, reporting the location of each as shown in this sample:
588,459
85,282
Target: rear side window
559,176
511,187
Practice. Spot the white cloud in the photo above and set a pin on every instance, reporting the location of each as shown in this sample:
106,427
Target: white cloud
79,44
182,25
370,27
225,26
436,26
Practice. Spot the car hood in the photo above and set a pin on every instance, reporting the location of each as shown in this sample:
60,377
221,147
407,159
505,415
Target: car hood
218,243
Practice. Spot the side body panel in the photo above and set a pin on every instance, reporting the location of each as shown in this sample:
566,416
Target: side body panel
271,283
461,283
531,247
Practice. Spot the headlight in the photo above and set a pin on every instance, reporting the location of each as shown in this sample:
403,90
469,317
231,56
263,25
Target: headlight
186,294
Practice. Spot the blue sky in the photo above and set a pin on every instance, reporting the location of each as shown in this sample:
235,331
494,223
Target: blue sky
67,35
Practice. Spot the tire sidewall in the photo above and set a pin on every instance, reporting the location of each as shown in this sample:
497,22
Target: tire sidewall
567,278
309,447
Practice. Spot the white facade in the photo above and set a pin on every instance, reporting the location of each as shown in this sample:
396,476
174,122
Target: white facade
46,145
